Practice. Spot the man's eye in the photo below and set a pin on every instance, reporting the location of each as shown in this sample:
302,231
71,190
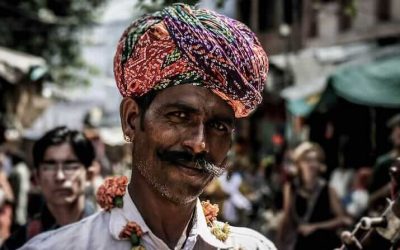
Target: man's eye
219,126
178,114
181,114
48,167
72,166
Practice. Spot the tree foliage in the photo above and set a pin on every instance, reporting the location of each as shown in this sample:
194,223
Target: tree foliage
50,29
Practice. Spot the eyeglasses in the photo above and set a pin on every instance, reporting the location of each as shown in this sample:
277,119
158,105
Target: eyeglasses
69,168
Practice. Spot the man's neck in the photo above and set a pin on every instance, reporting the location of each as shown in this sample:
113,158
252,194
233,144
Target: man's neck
69,213
167,220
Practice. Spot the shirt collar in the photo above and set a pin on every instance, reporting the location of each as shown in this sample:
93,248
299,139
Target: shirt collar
200,227
129,212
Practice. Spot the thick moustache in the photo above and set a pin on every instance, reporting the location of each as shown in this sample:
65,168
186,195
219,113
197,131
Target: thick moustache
183,159
191,165
187,160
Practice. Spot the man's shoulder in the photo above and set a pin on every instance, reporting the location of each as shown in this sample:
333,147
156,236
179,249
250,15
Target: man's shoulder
246,238
73,236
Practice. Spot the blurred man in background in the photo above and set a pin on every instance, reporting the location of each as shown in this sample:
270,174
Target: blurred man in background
62,160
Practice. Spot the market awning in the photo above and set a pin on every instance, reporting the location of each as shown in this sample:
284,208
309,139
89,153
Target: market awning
15,65
373,84
372,80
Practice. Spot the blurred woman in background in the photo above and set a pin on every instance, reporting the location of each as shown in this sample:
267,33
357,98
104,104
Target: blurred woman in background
312,210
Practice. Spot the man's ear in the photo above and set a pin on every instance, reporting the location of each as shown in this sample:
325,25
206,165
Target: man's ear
90,173
129,112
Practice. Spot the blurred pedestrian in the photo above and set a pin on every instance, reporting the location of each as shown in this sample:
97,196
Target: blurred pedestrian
312,210
19,179
6,216
356,201
380,187
232,182
6,202
7,192
62,158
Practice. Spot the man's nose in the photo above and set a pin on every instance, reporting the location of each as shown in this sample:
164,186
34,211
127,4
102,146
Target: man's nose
196,141
60,175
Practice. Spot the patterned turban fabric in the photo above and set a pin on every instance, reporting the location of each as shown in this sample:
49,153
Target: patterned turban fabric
185,45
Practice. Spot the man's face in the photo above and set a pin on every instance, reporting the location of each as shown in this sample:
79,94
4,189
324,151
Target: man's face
61,176
182,121
396,136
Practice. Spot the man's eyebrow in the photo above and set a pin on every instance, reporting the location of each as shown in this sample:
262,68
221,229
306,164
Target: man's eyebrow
49,161
225,119
64,161
188,108
181,106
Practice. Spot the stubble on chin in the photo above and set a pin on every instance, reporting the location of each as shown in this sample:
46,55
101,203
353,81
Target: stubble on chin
162,188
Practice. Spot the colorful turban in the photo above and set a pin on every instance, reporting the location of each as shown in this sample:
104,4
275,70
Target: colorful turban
185,45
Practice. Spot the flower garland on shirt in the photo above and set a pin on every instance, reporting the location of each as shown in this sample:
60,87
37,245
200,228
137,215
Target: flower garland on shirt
221,232
133,232
110,195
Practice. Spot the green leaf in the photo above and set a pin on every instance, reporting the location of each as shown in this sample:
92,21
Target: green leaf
135,240
118,201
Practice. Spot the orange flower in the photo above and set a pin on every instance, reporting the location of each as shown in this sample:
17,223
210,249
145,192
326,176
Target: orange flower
210,211
130,227
132,232
111,191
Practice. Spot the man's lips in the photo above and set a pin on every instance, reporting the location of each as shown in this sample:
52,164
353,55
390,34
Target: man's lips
189,165
62,191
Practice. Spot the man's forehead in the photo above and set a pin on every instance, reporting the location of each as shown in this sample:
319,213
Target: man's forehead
198,98
62,151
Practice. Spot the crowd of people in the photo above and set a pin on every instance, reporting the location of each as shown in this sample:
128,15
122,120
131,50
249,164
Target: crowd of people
293,204
299,205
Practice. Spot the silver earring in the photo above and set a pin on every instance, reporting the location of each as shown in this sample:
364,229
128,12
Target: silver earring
127,138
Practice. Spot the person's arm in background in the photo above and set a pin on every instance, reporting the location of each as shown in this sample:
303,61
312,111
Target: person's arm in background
287,204
339,220
6,187
381,193
379,188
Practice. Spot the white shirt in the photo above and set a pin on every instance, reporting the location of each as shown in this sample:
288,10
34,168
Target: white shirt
236,199
340,181
101,230
358,204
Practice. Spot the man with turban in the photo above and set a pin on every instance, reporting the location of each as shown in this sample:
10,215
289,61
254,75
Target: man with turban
185,74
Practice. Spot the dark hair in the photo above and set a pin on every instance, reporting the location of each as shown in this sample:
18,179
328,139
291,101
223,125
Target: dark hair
144,103
394,121
81,145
